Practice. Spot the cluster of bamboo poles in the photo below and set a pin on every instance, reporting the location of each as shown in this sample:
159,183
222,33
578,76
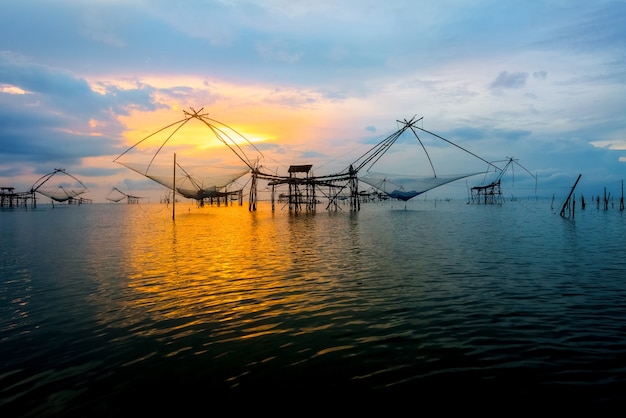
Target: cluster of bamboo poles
607,200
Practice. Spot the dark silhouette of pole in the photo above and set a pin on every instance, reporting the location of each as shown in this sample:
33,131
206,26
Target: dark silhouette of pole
174,191
570,195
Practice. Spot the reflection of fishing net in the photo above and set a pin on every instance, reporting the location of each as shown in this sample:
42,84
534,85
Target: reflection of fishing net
404,187
59,186
192,182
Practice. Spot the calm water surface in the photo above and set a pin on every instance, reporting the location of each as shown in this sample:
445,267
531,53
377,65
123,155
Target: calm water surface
114,309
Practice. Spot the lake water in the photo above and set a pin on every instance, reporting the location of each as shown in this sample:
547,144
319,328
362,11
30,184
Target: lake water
115,309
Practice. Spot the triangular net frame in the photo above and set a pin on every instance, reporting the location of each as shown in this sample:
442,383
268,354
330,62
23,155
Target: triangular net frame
405,186
196,175
59,185
115,195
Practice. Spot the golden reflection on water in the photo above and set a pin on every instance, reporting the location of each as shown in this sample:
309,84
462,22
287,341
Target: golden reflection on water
228,265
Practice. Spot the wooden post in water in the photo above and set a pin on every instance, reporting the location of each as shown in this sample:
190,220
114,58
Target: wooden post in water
252,196
174,191
570,195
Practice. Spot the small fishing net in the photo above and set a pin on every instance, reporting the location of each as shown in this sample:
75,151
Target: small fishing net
116,195
59,186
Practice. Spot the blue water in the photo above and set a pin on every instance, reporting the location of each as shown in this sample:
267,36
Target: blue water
116,309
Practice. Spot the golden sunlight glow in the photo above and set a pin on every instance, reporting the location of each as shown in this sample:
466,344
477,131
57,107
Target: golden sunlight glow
259,113
285,125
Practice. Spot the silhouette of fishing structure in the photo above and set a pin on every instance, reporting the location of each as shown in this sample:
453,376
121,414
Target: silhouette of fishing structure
116,195
66,190
205,183
10,199
58,185
302,189
491,193
406,187
212,181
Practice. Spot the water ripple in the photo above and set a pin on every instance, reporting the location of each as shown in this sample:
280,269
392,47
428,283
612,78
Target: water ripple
516,304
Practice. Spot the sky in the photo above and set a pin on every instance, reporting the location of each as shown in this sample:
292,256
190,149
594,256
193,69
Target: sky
542,82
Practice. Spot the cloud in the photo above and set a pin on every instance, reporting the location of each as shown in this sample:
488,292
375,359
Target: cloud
506,80
79,80
61,120
277,51
614,144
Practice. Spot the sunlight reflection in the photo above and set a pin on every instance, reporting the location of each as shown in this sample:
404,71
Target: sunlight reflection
224,265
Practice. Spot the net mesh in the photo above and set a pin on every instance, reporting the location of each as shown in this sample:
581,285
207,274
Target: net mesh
61,193
116,195
208,157
405,187
191,182
59,186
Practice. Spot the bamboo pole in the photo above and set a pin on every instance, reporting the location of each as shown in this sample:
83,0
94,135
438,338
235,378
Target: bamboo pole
174,191
570,195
